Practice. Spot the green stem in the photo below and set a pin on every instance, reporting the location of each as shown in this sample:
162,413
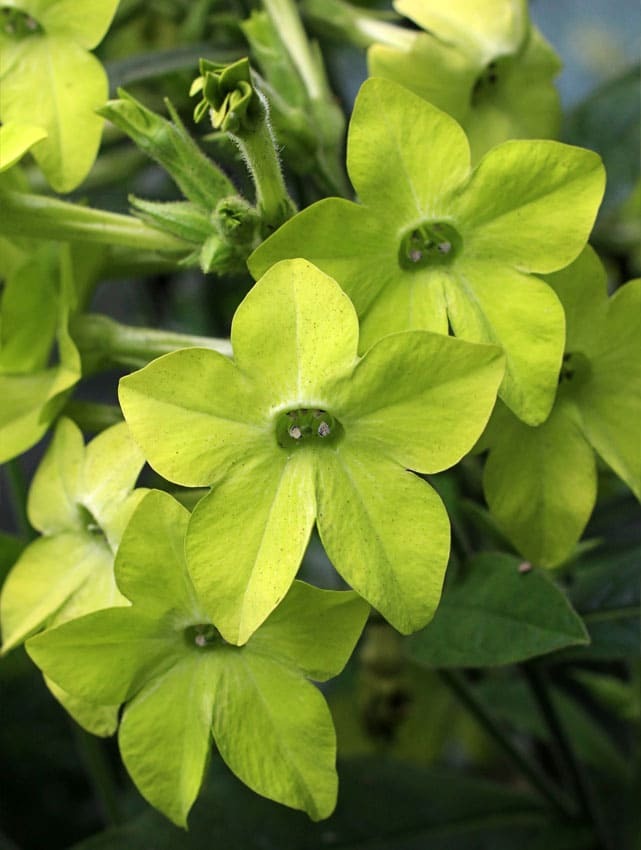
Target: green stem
40,217
286,19
92,417
102,342
18,497
351,24
258,148
92,752
540,690
537,779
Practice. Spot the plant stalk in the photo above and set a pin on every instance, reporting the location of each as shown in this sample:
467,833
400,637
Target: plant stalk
99,770
536,778
540,690
40,217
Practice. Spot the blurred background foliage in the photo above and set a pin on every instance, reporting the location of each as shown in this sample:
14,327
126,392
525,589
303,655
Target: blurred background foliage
417,769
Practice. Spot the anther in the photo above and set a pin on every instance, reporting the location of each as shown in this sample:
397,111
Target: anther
295,432
323,430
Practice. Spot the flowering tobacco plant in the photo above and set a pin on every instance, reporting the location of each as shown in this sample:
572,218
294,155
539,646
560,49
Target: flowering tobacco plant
370,515
315,433
434,242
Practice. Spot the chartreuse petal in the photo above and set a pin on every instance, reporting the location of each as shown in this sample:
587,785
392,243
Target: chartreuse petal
312,334
517,99
112,464
419,398
404,156
313,630
540,483
194,414
69,18
610,398
331,233
47,574
101,720
107,656
16,139
55,491
386,531
55,79
484,28
165,734
29,404
449,89
266,506
493,303
514,208
275,732
150,565
582,290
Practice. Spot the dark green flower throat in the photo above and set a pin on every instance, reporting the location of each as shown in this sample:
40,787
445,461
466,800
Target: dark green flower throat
432,243
204,636
306,425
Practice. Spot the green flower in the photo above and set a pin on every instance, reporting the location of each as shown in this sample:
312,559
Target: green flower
182,682
34,317
434,242
296,429
80,500
540,483
229,96
481,62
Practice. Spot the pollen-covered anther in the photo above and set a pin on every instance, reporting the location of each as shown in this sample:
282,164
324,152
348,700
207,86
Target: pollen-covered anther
324,430
295,432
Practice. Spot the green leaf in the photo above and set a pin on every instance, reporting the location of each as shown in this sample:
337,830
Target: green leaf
313,334
496,614
267,507
69,18
47,574
528,226
16,139
263,709
386,532
388,803
540,484
218,407
174,709
610,401
484,28
107,656
314,630
391,125
57,80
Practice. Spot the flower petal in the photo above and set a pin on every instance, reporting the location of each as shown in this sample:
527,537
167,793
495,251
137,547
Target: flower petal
386,532
246,539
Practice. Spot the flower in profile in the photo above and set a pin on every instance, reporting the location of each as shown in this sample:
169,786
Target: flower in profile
434,244
80,500
541,483
181,681
298,429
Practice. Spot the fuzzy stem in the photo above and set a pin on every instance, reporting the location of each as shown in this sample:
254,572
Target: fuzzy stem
102,341
40,217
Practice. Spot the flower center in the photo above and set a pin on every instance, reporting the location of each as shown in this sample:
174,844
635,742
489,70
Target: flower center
305,426
575,367
487,81
89,522
204,635
432,243
17,24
